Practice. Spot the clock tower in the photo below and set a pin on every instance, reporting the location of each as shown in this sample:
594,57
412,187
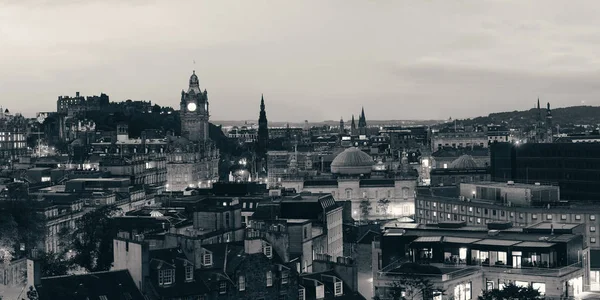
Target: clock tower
194,112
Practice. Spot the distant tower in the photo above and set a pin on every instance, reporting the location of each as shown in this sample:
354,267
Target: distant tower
353,127
341,126
539,130
194,112
263,130
362,123
549,124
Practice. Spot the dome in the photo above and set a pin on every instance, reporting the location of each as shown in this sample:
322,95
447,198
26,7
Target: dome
352,162
464,162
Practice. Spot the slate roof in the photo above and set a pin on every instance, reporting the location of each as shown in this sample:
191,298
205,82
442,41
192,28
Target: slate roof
114,285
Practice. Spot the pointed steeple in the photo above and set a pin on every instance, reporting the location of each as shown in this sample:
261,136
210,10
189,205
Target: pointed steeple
538,103
263,129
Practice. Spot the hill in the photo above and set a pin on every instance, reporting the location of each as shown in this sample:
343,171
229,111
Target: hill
564,116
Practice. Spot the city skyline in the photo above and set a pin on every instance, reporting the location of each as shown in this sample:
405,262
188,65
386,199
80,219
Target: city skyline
312,60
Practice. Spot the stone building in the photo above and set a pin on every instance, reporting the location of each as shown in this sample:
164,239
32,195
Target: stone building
353,179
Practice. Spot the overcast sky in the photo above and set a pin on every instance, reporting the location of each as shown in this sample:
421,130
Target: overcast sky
312,59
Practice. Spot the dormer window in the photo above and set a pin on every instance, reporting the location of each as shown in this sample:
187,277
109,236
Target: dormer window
268,250
166,277
285,274
207,259
189,273
222,287
269,278
338,287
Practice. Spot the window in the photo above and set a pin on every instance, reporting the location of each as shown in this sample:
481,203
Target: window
242,283
207,259
223,287
485,211
592,217
226,220
268,250
244,205
389,194
301,294
592,228
534,216
520,215
478,210
478,221
284,276
269,278
435,213
470,209
305,232
512,214
189,273
563,217
339,287
592,240
448,216
577,217
166,277
434,204
103,297
541,287
282,297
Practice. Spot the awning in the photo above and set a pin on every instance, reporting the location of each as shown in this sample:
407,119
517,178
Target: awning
459,240
492,242
428,239
535,245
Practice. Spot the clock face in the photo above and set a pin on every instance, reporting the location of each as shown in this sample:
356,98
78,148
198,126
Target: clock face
191,106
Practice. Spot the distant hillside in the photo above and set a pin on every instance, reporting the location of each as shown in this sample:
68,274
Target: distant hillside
564,116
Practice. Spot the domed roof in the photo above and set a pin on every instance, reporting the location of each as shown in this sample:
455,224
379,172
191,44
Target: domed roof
464,162
352,161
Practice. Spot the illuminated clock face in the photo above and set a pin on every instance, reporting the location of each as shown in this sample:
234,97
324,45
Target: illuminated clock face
191,106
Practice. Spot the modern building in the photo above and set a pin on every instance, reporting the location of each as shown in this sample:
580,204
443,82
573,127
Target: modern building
459,140
572,166
455,261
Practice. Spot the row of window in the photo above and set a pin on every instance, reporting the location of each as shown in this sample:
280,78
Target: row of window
167,276
494,212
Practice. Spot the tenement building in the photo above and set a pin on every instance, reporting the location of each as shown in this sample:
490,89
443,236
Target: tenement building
456,261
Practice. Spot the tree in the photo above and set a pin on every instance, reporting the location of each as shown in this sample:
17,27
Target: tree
9,237
92,240
512,292
32,294
365,209
383,205
410,287
54,264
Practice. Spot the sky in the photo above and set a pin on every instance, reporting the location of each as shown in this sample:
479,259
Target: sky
312,59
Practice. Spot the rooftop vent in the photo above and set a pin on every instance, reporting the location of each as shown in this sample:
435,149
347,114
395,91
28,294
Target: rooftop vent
493,232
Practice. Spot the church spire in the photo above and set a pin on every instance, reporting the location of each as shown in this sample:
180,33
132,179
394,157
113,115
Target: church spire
263,129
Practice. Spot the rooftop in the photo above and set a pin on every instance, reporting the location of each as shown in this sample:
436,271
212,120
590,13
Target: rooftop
113,285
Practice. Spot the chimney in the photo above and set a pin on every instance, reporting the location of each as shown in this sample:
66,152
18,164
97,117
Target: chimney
76,94
34,270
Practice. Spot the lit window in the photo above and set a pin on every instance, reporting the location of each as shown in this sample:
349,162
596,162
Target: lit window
339,287
563,217
592,240
189,273
223,287
534,216
592,217
577,217
166,277
268,250
478,221
435,213
284,276
548,217
242,283
269,278
207,260
592,228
